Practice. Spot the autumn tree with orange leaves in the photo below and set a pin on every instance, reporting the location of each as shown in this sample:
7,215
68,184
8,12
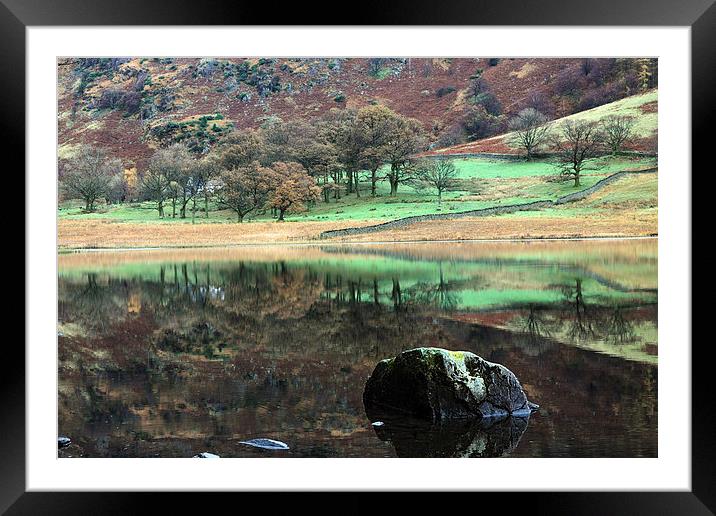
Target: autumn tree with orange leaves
293,188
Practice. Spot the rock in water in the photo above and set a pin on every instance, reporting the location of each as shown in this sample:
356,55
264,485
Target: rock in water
206,455
266,444
437,384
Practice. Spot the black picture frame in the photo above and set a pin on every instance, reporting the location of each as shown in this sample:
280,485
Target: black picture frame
699,15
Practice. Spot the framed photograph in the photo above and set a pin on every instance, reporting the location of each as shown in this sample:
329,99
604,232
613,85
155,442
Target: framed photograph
423,255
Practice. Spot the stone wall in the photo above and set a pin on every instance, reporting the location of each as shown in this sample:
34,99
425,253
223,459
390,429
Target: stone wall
521,157
483,212
578,196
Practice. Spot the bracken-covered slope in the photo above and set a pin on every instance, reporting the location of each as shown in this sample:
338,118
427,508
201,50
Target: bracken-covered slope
134,105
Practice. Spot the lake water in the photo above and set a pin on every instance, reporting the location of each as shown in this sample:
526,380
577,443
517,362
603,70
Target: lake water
175,352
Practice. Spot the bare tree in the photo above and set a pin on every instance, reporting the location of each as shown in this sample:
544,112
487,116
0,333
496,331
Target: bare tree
348,145
118,189
577,143
245,189
196,184
90,175
171,166
617,129
404,138
310,143
530,129
206,170
241,148
439,174
155,186
616,326
372,128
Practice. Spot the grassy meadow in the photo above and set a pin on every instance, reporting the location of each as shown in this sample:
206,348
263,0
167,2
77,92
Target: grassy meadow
482,183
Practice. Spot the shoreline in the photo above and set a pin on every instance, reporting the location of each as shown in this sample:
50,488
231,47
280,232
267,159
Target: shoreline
326,242
103,234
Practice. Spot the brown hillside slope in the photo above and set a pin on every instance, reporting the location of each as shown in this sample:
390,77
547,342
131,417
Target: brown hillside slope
122,104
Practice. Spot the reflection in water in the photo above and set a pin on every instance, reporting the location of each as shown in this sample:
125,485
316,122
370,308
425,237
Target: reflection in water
412,437
173,355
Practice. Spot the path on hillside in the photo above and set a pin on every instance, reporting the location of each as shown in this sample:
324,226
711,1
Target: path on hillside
494,210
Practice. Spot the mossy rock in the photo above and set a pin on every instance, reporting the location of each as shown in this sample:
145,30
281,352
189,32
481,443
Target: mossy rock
436,384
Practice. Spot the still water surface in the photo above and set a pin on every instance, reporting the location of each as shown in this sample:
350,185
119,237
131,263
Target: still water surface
175,352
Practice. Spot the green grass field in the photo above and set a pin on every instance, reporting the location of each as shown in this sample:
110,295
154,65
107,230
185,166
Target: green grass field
482,183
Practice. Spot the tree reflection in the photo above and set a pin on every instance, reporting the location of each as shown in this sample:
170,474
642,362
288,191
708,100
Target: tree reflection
97,305
537,324
440,295
617,329
580,318
254,296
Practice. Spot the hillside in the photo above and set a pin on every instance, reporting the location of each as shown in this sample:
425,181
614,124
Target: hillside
132,106
643,107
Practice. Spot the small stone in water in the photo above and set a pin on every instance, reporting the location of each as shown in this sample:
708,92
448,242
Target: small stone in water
377,423
63,441
206,455
267,444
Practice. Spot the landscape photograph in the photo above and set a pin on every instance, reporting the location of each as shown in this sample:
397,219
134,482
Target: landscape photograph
368,257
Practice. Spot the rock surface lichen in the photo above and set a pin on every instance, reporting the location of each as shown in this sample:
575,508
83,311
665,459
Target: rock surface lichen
437,384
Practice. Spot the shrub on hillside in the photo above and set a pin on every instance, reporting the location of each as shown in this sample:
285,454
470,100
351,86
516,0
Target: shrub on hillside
109,99
451,135
206,68
490,103
131,102
477,123
141,80
128,101
598,71
540,101
375,65
480,94
569,82
441,92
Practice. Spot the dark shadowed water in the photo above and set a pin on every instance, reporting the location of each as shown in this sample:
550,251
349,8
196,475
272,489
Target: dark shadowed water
173,353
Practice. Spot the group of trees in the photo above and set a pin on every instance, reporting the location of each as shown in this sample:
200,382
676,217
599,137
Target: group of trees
284,166
574,142
92,175
175,177
287,166
283,187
